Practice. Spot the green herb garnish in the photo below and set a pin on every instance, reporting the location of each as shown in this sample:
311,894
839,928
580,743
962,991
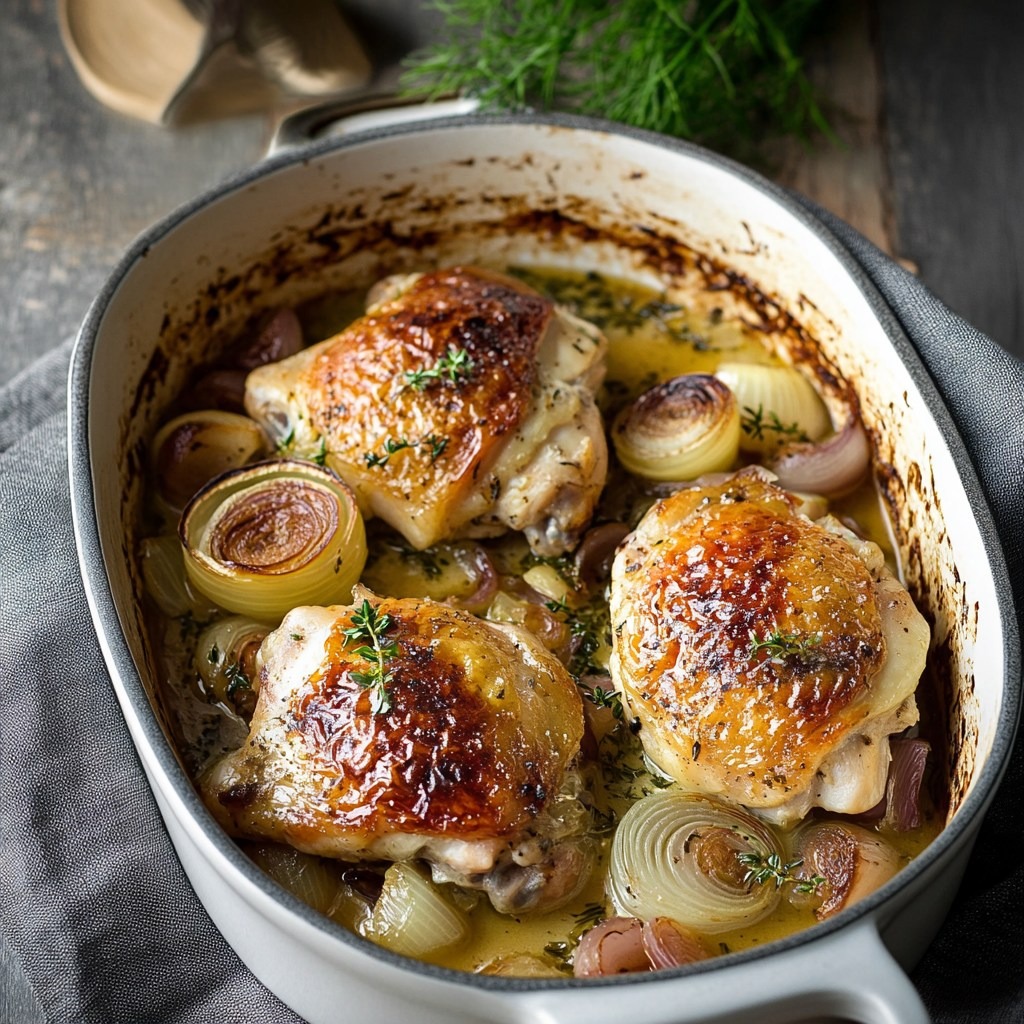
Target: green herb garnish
434,444
756,423
603,698
770,868
726,73
236,678
369,630
455,366
284,445
784,645
585,919
390,447
320,455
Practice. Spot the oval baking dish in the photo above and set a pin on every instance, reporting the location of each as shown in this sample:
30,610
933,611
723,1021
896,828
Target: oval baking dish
558,192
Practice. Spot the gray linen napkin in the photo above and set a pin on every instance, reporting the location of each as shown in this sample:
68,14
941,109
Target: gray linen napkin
97,922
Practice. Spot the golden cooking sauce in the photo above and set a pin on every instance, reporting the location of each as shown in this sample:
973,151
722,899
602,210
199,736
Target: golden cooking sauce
652,338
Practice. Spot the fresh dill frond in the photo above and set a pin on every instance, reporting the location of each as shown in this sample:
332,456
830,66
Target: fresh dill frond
726,73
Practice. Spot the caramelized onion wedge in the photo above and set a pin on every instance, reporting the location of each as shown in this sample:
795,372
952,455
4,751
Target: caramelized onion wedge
668,944
778,404
412,915
678,855
853,862
680,429
278,336
832,467
225,658
268,538
625,945
593,558
903,787
615,946
190,450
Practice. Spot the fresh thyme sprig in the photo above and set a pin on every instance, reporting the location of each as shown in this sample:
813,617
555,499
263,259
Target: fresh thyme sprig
784,645
390,447
723,72
434,445
369,630
602,698
454,366
756,423
769,868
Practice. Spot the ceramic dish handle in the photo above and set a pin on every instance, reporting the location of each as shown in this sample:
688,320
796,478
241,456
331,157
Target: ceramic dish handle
848,976
345,116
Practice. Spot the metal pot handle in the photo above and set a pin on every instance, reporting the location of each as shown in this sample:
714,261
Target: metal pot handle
848,975
346,115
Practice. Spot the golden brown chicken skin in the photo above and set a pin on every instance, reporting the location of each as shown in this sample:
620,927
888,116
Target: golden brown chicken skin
461,404
481,727
362,380
764,654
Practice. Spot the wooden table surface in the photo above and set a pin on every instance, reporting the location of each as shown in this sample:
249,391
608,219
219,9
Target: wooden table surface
930,97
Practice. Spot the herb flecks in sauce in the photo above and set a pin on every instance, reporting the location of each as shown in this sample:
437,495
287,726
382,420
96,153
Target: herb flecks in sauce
653,336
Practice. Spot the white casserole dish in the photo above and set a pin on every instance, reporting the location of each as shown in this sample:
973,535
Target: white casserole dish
565,192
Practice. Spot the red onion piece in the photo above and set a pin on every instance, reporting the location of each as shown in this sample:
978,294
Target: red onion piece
278,337
668,944
478,566
614,946
903,788
597,549
831,467
218,389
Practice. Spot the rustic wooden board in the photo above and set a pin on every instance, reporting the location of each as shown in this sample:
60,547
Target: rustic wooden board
954,120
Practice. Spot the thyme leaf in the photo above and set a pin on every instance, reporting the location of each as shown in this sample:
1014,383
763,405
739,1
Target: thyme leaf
756,423
433,442
770,868
369,630
390,448
236,678
784,645
455,366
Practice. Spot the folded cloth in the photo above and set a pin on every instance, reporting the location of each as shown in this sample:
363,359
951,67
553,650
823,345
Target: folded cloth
97,920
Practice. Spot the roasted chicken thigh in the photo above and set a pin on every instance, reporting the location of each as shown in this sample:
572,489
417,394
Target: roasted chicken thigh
460,405
453,746
767,657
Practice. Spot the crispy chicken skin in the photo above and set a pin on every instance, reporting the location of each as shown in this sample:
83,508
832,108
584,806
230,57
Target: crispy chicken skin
778,727
511,441
483,726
